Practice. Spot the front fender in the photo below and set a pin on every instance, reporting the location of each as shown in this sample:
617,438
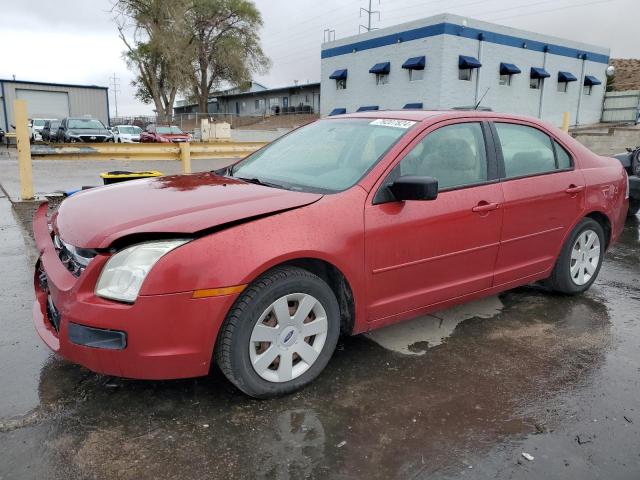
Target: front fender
331,229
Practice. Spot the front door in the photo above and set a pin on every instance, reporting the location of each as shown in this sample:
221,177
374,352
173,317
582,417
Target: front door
543,197
421,253
285,102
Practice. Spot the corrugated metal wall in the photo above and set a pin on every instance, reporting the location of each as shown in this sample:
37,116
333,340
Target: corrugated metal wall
92,101
621,106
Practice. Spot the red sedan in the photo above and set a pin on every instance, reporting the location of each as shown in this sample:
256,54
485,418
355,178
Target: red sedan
164,134
343,226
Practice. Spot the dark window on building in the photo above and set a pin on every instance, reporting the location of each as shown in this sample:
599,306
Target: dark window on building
563,87
341,84
465,74
536,83
505,79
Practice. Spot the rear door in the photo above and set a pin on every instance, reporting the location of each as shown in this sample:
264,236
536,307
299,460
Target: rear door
543,197
421,253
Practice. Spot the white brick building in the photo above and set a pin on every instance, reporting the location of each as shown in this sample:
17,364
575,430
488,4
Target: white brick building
449,61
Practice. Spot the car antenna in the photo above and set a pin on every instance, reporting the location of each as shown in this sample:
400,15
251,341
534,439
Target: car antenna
481,98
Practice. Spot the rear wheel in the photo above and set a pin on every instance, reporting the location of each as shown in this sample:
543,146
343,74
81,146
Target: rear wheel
580,259
280,333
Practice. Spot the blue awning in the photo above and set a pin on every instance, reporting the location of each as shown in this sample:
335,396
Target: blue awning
468,62
509,69
539,72
415,63
591,80
367,108
566,77
412,106
339,75
381,68
338,111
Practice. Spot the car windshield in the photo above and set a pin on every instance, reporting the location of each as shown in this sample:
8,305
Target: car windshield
38,123
129,130
83,123
326,156
171,130
54,124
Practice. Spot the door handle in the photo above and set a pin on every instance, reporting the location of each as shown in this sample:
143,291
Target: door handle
485,207
573,189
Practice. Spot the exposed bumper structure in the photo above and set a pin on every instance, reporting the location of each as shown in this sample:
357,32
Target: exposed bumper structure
157,337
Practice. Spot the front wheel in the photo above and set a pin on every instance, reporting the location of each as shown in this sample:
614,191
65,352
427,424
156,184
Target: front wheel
280,333
580,259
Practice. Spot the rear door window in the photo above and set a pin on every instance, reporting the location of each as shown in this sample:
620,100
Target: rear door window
526,150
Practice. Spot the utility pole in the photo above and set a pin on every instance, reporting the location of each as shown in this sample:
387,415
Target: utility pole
116,86
369,12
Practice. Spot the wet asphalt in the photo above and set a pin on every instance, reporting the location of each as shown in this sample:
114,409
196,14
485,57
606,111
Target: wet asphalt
460,394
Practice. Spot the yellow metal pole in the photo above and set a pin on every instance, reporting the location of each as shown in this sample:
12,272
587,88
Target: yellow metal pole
21,119
565,122
185,157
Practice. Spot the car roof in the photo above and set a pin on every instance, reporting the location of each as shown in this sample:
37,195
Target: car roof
422,115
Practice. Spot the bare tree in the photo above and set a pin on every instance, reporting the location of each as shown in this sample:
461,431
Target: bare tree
153,34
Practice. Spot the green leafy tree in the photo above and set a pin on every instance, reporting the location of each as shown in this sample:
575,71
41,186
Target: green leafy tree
224,46
153,34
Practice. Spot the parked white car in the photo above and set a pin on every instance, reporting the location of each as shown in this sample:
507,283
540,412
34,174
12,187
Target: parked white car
36,126
126,133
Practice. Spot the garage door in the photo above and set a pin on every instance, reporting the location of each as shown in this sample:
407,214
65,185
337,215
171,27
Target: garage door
43,104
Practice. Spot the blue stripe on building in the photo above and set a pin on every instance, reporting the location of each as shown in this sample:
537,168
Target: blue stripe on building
464,32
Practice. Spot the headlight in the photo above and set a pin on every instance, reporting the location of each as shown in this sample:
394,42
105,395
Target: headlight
123,274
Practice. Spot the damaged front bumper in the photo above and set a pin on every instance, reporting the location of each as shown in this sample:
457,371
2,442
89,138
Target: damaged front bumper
157,337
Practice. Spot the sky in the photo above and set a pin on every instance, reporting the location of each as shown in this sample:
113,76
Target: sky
76,41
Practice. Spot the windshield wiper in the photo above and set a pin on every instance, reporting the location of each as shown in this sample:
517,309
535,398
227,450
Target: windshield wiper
257,181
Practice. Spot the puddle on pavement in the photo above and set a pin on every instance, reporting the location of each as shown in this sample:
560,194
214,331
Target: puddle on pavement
415,337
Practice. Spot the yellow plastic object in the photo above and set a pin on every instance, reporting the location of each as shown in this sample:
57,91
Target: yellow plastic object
121,176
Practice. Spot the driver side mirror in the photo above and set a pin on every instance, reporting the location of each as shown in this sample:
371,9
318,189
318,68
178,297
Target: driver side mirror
411,187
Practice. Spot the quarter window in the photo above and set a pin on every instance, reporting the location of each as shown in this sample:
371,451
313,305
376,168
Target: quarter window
455,155
564,159
526,150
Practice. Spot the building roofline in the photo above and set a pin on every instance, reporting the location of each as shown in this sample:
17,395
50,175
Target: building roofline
257,92
29,82
455,25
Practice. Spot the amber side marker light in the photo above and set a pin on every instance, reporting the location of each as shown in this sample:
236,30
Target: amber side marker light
218,292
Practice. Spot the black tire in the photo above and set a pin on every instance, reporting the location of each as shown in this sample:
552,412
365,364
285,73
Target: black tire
232,347
634,206
560,280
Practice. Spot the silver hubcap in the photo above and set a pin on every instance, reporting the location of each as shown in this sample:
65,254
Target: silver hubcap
585,256
288,337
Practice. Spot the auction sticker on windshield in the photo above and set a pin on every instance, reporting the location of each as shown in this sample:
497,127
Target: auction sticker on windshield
386,122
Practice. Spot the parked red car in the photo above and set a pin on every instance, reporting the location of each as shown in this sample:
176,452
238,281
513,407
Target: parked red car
163,134
343,226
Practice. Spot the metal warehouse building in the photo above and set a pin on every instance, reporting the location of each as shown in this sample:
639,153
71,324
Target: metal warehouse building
448,61
53,100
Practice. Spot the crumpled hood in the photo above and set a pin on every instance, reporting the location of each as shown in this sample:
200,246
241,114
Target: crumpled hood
180,204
